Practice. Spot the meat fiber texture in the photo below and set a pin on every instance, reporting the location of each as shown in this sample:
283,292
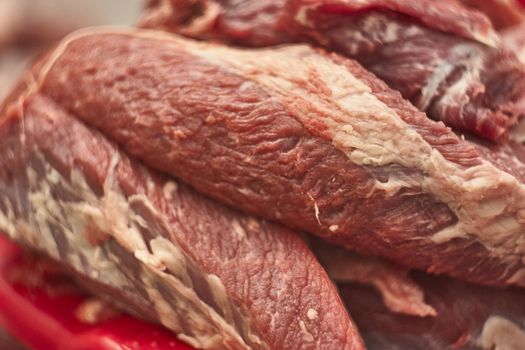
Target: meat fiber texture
441,56
514,40
467,316
302,137
218,279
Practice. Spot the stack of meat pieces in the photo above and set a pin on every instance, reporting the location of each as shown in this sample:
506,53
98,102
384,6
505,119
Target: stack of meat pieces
439,55
104,132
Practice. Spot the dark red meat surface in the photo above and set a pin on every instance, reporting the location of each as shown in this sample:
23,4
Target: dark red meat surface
439,55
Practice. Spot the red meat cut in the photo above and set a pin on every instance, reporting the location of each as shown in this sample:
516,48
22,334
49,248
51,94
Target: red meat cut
441,56
305,138
218,279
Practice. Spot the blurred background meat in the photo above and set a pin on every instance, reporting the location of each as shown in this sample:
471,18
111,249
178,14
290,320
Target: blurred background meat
399,309
29,26
467,317
514,39
503,13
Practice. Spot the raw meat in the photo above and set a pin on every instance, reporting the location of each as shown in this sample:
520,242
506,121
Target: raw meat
242,21
218,279
396,309
468,317
399,292
305,138
439,55
514,39
503,13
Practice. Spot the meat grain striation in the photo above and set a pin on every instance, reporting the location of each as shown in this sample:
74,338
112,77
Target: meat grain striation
218,279
444,58
305,138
